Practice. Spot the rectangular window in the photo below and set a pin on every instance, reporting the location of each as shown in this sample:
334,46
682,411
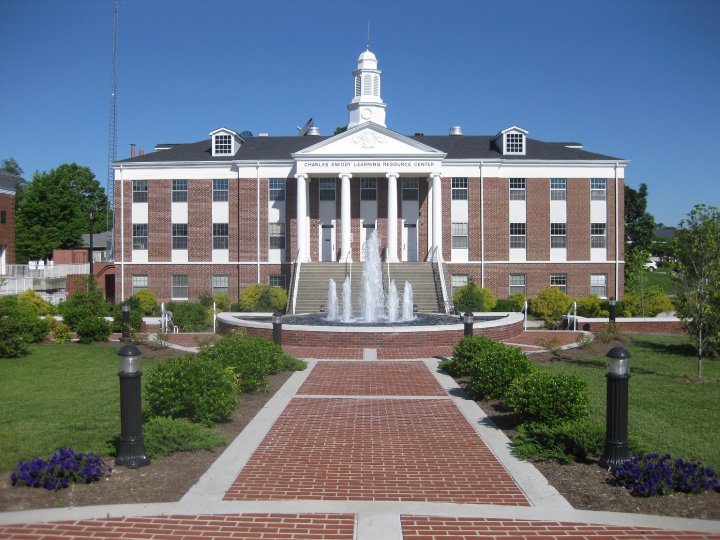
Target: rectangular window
3,217
277,189
140,235
598,285
220,190
597,235
179,191
180,287
368,189
598,189
220,236
558,189
517,235
277,281
140,191
517,189
559,281
457,281
410,189
220,285
460,235
179,235
517,283
514,143
277,235
223,145
139,283
558,235
327,190
459,189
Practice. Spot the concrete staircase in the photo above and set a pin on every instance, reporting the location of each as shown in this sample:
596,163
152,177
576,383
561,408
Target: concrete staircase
313,284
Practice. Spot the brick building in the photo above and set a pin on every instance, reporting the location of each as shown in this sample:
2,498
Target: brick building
514,213
8,186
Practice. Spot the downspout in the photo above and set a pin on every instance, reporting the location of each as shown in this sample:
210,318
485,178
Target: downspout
122,233
617,234
257,232
235,163
482,227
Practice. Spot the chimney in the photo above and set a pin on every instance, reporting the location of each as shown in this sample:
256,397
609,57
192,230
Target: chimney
456,131
142,152
132,150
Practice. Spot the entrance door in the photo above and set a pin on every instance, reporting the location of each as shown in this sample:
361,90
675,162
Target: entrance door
327,238
411,242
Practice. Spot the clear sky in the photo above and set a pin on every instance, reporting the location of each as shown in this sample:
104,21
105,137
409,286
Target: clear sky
636,79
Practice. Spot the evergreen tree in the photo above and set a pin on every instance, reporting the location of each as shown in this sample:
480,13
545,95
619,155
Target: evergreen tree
639,223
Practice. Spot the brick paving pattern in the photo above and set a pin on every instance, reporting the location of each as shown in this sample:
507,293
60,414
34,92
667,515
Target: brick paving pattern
440,528
371,379
242,527
375,449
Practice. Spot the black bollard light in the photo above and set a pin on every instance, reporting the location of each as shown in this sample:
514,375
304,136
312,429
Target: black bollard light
616,418
277,327
131,450
468,321
613,310
126,323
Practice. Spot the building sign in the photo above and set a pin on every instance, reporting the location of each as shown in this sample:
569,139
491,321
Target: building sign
378,166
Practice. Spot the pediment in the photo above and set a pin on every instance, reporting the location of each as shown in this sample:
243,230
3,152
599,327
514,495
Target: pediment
369,140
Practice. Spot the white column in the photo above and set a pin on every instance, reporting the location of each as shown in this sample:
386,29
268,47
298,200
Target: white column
437,216
345,238
392,218
301,218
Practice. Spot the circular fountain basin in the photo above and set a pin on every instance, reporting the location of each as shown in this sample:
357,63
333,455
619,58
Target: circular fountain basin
431,334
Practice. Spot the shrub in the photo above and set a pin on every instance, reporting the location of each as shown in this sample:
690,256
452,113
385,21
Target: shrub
290,363
136,315
164,436
564,442
493,373
472,297
251,358
33,301
146,300
590,306
19,326
550,304
647,303
466,355
61,333
189,317
260,297
190,387
651,474
81,305
549,397
63,468
92,329
517,301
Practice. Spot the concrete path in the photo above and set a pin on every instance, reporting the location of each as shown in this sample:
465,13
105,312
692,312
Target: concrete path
361,450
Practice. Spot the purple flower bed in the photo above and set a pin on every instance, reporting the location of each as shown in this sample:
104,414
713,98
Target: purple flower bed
653,474
61,469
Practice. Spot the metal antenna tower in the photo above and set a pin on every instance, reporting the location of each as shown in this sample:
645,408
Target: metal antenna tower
112,139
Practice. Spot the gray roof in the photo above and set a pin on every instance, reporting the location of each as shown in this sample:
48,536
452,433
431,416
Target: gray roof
281,148
9,180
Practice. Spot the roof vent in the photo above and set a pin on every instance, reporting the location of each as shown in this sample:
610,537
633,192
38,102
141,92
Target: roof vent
456,130
313,130
263,134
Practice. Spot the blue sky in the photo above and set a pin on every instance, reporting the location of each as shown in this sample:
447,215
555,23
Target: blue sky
637,79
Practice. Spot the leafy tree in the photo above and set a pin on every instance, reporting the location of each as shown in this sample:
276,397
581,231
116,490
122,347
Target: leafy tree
12,166
697,273
639,223
472,297
53,213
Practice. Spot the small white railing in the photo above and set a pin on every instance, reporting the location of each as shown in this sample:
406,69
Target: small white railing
525,313
41,269
573,311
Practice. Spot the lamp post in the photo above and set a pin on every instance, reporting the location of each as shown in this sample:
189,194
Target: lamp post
277,327
131,450
616,418
126,323
468,321
613,309
91,219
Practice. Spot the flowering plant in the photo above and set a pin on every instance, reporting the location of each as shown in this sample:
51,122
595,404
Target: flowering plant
653,474
65,466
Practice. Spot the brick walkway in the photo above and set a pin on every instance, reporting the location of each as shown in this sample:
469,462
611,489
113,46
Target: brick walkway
364,451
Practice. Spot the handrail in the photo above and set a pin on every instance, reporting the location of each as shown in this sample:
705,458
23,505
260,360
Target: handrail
525,318
573,310
387,263
294,277
443,287
348,265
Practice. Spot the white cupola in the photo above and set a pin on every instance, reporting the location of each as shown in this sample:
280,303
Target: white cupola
367,105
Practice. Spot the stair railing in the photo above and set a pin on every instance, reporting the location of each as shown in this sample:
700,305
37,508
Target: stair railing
439,277
573,311
294,280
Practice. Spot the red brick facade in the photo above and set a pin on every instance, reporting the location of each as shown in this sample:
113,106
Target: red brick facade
7,226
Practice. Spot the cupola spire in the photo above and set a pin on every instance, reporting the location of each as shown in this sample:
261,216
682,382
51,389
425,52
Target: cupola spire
367,105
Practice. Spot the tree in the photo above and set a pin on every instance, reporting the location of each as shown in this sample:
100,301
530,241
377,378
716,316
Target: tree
12,166
53,213
696,247
639,223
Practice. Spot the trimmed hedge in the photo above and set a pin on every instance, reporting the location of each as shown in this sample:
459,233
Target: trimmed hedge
549,397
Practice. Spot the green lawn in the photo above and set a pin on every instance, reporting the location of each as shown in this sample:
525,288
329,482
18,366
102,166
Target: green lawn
59,395
662,279
668,410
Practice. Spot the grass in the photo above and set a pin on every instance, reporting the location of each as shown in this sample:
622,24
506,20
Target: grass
670,411
662,279
59,395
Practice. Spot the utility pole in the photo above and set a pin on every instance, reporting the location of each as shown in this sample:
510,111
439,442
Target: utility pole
112,138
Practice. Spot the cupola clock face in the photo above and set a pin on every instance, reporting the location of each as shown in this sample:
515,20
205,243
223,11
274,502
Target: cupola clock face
366,114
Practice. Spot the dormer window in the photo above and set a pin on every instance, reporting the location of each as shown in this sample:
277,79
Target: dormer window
512,141
225,142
